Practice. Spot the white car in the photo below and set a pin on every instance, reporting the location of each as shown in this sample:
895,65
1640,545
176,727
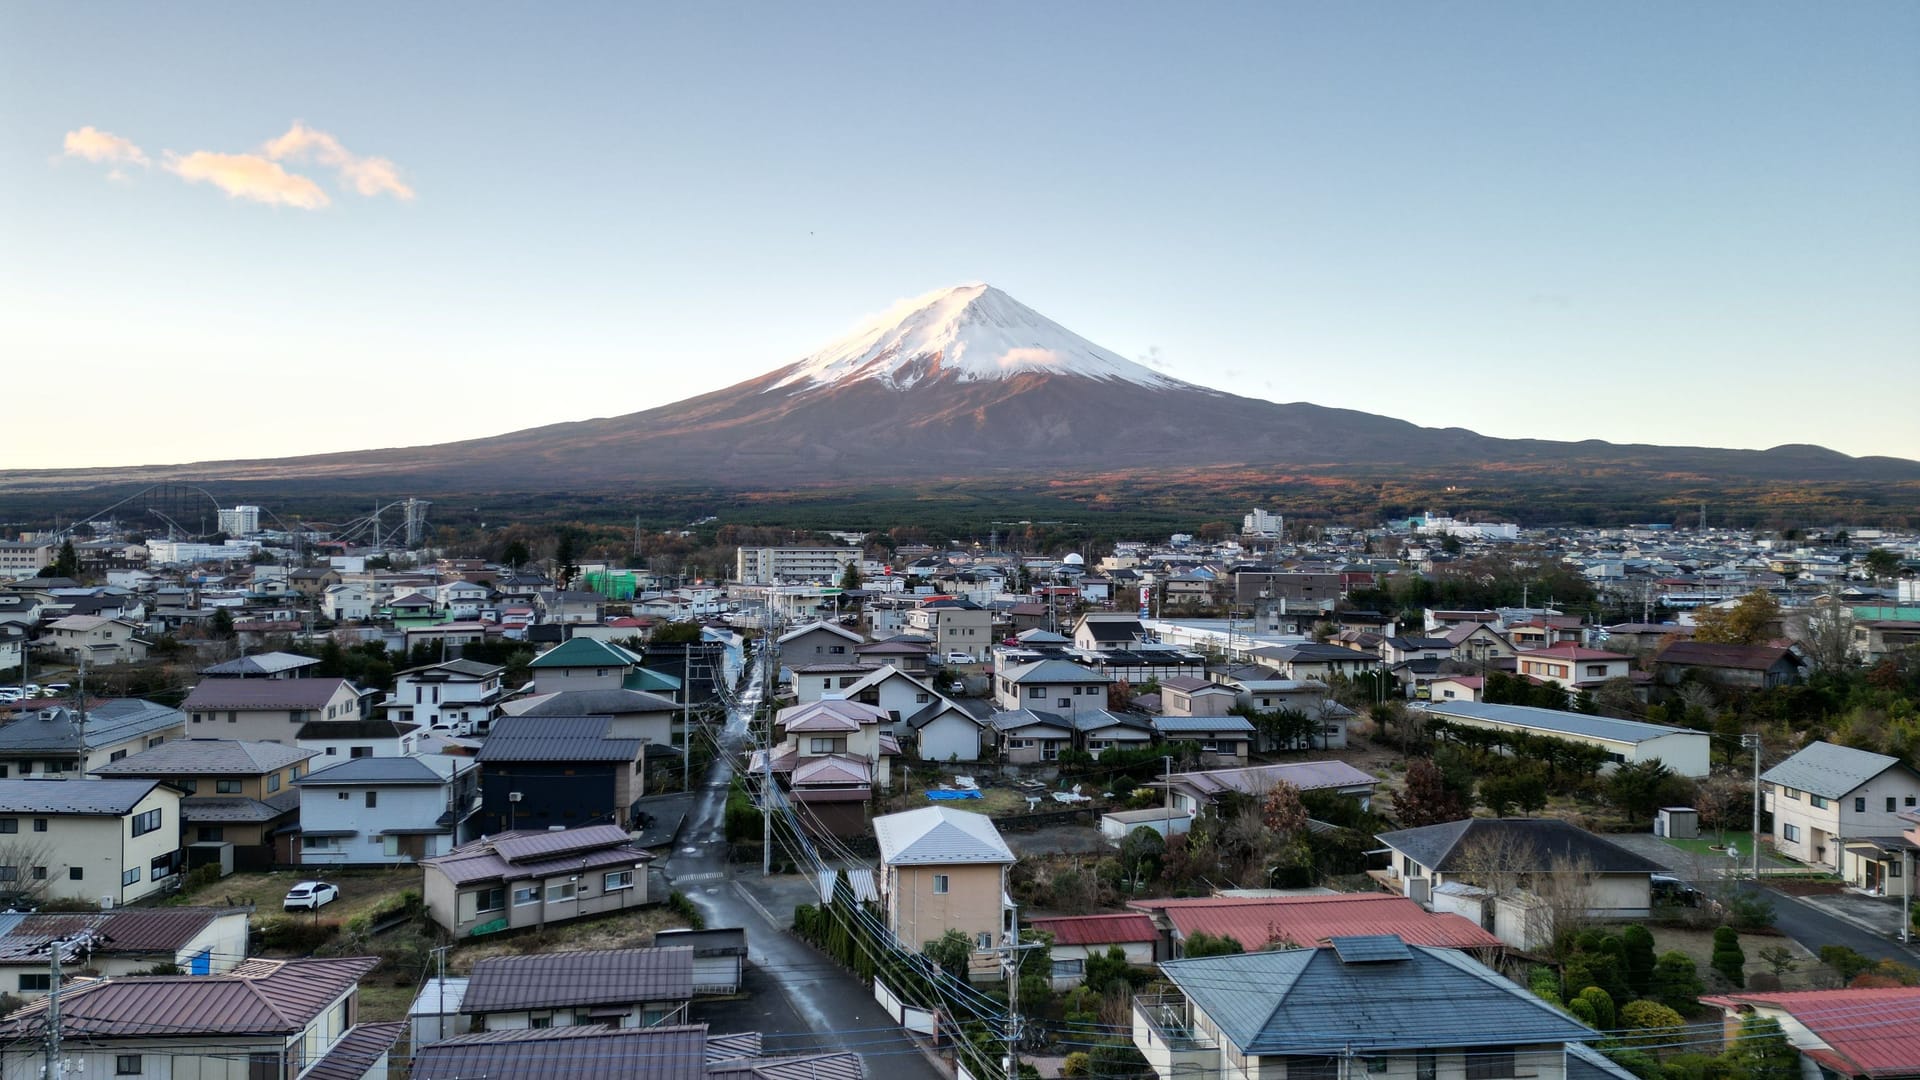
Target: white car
959,658
310,896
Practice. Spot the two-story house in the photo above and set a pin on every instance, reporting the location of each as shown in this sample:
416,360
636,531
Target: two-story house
1315,661
267,710
955,626
1060,686
387,809
112,841
534,877
1098,630
583,664
1365,1002
59,741
358,738
818,642
461,695
558,771
652,719
569,606
1187,695
1031,736
348,602
1572,667
123,941
617,988
239,793
95,639
1830,803
832,755
265,1020
943,869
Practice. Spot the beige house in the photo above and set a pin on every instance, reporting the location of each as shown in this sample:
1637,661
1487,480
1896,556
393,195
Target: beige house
123,941
238,793
267,710
955,626
943,869
97,639
1059,686
1184,695
58,742
1830,804
527,878
1572,667
618,988
111,841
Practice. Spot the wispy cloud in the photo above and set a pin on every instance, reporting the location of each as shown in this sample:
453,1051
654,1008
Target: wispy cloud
369,176
103,146
248,176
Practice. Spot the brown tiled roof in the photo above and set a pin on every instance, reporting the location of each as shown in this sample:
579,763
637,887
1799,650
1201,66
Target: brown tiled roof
1709,654
259,997
571,979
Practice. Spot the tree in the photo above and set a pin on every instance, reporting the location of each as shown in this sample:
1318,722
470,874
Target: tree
220,626
1763,1052
1282,811
516,554
1829,639
1882,564
1753,619
1655,1024
1722,802
1141,853
1108,970
1676,982
1426,799
952,951
850,577
564,558
1729,959
1638,942
67,562
25,872
1200,943
1521,790
1640,787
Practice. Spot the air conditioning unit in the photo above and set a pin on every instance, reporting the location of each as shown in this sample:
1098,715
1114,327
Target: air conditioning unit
106,903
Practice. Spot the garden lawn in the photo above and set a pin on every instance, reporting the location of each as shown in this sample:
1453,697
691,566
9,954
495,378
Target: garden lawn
361,891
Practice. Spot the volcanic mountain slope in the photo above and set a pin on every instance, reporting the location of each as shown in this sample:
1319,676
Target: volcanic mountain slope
962,382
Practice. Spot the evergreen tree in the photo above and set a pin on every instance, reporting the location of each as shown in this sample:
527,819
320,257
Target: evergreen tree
1729,959
1676,982
1638,942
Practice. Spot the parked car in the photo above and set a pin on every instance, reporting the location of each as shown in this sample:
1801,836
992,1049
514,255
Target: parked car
310,896
1673,892
959,658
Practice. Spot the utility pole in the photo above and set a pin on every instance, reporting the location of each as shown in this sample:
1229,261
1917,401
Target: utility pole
1166,780
440,962
54,1068
1752,741
769,657
1012,950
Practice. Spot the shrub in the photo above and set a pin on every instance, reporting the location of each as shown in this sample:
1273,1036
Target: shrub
1729,959
1544,983
1638,941
1845,962
1655,1023
1676,982
202,876
1076,1064
1600,1004
681,905
282,933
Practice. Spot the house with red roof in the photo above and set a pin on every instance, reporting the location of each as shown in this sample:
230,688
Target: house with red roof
1078,937
1311,921
1867,1034
1571,666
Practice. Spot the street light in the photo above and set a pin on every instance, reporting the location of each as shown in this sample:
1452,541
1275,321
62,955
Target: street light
513,804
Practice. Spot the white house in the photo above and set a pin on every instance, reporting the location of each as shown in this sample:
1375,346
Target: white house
1572,667
1826,798
943,731
1059,686
113,841
386,809
461,695
347,602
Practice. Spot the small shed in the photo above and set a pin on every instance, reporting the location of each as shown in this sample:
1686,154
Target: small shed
435,1014
1677,822
719,956
1117,825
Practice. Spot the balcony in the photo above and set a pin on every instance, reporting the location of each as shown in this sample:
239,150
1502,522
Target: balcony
1164,1034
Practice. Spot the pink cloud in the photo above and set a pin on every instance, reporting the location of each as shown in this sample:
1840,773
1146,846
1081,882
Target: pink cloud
102,146
248,176
369,176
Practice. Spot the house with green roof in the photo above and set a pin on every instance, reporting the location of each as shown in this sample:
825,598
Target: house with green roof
583,664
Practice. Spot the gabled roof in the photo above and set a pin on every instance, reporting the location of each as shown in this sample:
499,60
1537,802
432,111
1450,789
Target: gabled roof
357,1052
207,757
260,664
590,703
1307,921
938,836
109,722
558,1053
818,625
1447,848
830,714
1098,719
320,730
1868,1032
122,931
258,997
114,797
1568,650
1735,657
526,854
556,738
1054,671
256,694
1098,929
472,669
1554,721
1017,719
1311,1001
578,979
1331,773
1201,725
1830,771
375,770
585,652
940,707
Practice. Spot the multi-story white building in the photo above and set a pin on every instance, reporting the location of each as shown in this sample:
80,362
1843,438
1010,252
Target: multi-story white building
240,521
1827,799
1261,523
24,558
182,552
386,809
774,565
458,694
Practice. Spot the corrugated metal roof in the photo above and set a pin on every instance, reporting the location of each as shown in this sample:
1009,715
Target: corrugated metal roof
375,770
357,1052
1260,779
1181,725
1054,671
585,652
1097,929
1018,719
72,796
118,720
570,979
255,694
590,703
567,1053
521,846
480,860
840,1065
207,757
1831,771
939,835
1308,1001
259,664
1256,922
277,997
1873,1032
238,809
556,738
1558,722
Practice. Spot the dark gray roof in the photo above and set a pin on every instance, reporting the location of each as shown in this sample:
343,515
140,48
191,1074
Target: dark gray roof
567,1053
1102,718
240,694
1055,671
1557,721
1103,630
595,703
1310,1001
1821,768
1201,725
260,665
566,980
72,796
375,770
471,668
1548,840
238,809
1015,719
354,729
107,723
555,738
934,711
207,757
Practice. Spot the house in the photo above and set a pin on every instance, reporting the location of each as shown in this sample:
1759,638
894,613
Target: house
264,1018
1750,667
539,772
1314,1014
1300,922
1683,750
413,609
616,988
817,643
652,719
58,741
1096,631
238,793
95,640
905,654
1572,667
943,869
1864,1034
267,665
531,878
357,738
1478,644
268,710
1457,688
954,626
893,692
563,606
1221,740
348,602
1545,632
1102,730
1399,649
1510,862
1077,937
583,664
656,1053
1055,685
832,756
1197,790
1030,736
113,841
719,956
386,810
943,731
462,599
1825,799
1186,695
1314,661
124,941
460,695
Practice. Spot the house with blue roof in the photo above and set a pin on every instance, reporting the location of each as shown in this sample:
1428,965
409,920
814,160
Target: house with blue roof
1369,1005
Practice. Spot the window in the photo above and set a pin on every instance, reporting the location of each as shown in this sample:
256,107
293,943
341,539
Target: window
361,751
1597,670
940,884
1791,833
983,940
1064,703
922,699
1313,1068
233,718
1036,692
1491,1063
39,824
126,1064
196,718
226,787
562,892
9,825
76,873
1910,801
1891,807
819,746
146,823
492,900
131,876
620,879
116,755
187,787
316,843
1893,868
373,799
211,834
1816,801
1069,969
343,796
1426,1065
539,1021
273,781
528,895
36,982
1859,804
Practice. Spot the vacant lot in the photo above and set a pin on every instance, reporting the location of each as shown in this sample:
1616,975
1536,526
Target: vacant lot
360,890
619,930
1698,944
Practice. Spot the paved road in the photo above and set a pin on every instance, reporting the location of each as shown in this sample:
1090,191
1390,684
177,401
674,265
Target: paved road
1813,928
794,991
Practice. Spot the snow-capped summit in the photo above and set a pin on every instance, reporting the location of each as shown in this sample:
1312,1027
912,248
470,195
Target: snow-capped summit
967,333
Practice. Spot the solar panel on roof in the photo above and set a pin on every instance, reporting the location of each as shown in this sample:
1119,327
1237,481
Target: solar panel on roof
1370,949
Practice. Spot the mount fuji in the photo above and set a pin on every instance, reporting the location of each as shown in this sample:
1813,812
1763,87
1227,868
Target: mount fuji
964,383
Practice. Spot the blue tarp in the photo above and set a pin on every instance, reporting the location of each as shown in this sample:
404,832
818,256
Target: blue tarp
949,796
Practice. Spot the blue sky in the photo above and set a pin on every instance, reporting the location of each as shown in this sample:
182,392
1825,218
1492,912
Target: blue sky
1638,221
